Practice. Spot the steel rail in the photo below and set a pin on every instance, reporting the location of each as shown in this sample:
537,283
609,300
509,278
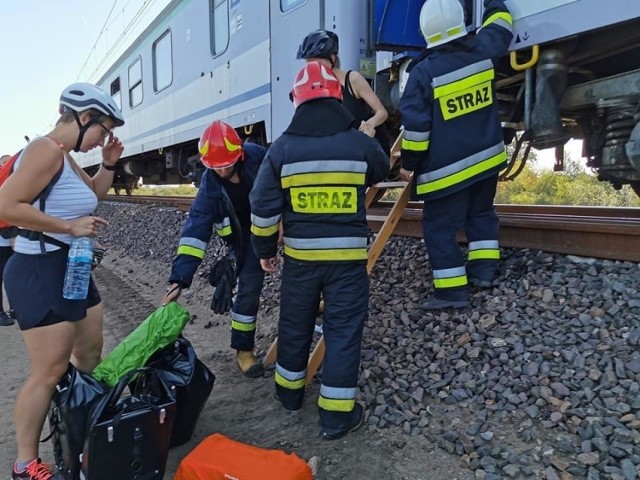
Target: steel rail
601,232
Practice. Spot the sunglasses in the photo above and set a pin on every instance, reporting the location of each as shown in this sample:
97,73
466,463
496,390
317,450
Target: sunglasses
107,132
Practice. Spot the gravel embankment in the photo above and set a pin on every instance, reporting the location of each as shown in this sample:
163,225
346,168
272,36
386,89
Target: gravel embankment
540,377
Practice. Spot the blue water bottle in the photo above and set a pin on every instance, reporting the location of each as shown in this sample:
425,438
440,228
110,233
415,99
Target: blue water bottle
76,279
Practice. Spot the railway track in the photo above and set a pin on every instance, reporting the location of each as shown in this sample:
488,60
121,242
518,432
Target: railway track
600,232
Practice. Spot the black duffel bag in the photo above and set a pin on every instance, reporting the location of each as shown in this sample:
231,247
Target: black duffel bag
191,381
130,436
70,418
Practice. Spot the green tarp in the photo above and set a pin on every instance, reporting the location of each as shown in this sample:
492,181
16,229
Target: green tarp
160,329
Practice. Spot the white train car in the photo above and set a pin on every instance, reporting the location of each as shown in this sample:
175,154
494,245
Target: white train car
202,60
573,72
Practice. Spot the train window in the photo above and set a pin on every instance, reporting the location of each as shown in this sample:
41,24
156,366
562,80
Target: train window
286,5
219,26
135,83
162,63
115,92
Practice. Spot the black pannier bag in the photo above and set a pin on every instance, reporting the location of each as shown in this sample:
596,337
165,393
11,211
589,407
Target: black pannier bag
131,434
69,418
191,380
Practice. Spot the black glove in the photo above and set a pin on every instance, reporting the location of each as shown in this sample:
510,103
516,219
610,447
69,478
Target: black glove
223,277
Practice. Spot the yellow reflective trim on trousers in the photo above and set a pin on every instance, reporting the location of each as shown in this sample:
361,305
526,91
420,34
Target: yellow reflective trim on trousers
506,16
243,327
415,146
334,405
485,254
319,178
290,384
465,83
264,231
319,199
465,174
326,255
466,101
223,232
189,250
451,282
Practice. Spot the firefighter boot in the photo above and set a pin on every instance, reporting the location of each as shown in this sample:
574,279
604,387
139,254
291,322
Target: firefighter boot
249,364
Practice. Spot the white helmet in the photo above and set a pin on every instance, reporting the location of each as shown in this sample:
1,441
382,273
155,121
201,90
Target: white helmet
442,21
83,96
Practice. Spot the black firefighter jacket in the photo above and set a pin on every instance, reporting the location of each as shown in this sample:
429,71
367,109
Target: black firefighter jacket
207,212
452,135
316,185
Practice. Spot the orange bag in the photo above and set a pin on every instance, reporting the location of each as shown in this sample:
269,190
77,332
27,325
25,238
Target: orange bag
220,458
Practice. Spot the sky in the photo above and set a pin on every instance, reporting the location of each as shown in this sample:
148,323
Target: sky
44,45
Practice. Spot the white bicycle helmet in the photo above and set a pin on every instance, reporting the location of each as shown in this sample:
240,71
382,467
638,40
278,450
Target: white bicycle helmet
83,96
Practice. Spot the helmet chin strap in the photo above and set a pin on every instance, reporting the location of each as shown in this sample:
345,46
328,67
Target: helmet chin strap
82,129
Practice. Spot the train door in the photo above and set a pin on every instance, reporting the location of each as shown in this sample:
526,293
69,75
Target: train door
290,22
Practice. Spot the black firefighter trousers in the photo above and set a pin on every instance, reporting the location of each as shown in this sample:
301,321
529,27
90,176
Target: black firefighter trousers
345,290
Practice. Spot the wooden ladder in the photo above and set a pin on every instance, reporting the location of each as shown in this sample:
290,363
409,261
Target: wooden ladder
389,223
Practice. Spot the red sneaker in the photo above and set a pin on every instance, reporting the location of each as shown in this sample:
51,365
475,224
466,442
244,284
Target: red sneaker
36,470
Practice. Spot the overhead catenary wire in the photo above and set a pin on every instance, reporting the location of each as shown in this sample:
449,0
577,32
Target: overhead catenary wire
139,14
131,24
95,44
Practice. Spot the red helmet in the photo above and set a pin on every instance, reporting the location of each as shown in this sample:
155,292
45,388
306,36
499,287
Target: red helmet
220,146
315,81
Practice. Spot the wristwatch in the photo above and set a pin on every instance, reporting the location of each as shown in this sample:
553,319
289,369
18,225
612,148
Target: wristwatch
111,168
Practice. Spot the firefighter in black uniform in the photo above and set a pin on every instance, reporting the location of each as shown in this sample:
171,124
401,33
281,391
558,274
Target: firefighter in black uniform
314,179
222,202
453,141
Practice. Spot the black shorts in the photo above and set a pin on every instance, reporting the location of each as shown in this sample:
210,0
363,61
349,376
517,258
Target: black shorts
34,288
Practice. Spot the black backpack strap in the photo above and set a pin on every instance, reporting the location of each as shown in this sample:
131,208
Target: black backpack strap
41,198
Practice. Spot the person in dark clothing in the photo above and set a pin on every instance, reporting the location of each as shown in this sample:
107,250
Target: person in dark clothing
222,202
314,180
357,96
453,140
5,253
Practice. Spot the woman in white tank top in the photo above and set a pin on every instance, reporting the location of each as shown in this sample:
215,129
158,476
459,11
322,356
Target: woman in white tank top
56,330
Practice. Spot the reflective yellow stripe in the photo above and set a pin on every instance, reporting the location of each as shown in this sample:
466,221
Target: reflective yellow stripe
317,178
434,38
415,146
466,101
451,282
264,231
484,254
223,232
463,175
463,84
327,255
189,250
453,31
290,384
243,327
506,16
314,200
335,405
